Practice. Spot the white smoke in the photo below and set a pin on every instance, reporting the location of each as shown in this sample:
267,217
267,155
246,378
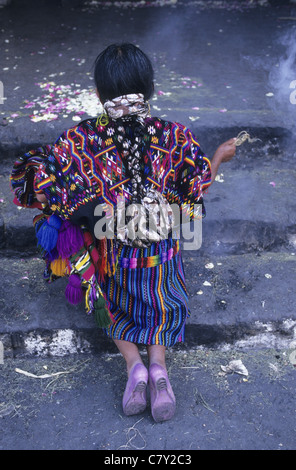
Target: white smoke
282,81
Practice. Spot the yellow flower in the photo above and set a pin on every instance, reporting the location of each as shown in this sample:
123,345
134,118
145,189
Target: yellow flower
73,187
52,178
154,140
109,141
54,207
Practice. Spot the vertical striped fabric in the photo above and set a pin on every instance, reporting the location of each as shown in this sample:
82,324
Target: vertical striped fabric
149,305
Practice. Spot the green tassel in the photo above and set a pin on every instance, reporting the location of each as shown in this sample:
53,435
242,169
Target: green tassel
102,317
100,302
96,304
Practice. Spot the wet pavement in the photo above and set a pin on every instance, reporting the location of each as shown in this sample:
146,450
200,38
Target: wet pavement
221,67
210,70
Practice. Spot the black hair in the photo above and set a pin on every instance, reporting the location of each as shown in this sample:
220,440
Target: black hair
122,69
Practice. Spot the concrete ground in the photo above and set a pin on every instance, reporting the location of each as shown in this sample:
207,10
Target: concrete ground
80,409
221,67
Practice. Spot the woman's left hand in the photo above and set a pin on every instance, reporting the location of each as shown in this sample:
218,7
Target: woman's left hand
226,151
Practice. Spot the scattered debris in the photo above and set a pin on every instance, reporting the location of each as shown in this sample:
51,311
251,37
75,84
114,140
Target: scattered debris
65,99
43,376
209,266
220,178
274,368
235,366
199,399
194,118
7,409
132,433
189,367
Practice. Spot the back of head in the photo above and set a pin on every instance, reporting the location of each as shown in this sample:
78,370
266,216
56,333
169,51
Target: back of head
122,69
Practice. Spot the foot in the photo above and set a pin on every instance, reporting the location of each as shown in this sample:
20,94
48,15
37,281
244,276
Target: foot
135,398
163,402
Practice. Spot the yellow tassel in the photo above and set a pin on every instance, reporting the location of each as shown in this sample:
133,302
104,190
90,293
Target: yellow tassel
59,267
86,298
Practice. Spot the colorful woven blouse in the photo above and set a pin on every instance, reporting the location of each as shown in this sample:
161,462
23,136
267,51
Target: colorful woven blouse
85,169
136,294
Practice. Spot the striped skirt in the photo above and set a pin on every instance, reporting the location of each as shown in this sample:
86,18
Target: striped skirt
147,295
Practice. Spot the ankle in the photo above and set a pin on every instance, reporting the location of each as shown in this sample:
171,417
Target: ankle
131,364
161,364
156,355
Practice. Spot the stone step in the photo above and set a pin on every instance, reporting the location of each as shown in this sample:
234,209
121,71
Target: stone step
235,301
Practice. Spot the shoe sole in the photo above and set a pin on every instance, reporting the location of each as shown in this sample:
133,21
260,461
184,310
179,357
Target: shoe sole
163,412
137,402
164,406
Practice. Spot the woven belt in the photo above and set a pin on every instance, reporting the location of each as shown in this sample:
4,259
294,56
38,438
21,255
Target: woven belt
149,261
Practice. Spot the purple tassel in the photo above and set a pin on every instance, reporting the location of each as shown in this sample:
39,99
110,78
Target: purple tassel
74,292
70,239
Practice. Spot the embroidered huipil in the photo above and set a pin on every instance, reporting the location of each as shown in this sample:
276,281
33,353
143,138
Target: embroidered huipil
147,293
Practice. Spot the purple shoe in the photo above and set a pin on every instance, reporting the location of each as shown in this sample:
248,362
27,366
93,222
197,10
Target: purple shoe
163,402
134,398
